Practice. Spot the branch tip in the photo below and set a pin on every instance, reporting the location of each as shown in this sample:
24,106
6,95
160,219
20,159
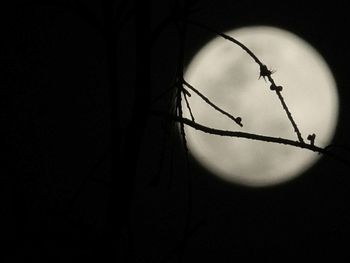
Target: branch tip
239,121
311,138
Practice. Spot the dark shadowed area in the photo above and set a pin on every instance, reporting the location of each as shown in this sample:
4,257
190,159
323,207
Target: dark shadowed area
88,173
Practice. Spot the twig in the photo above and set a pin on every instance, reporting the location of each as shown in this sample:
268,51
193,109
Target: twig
189,108
182,30
227,37
264,72
257,137
246,135
237,120
289,114
180,114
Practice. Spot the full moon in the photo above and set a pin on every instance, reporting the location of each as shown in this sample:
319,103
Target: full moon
228,77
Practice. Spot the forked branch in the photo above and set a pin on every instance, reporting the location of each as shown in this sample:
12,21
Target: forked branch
237,120
264,72
253,136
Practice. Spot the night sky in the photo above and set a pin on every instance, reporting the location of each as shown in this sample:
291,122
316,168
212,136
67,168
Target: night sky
61,122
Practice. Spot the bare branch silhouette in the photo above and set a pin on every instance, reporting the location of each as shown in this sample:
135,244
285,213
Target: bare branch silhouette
256,137
189,108
264,72
118,214
229,38
181,86
237,120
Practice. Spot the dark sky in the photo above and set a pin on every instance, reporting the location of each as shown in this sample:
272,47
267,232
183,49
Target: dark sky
58,122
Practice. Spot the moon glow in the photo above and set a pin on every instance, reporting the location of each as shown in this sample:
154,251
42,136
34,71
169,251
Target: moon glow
226,75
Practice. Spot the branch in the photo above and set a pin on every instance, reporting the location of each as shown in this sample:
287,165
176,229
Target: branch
256,137
289,115
250,136
189,107
229,38
237,120
264,72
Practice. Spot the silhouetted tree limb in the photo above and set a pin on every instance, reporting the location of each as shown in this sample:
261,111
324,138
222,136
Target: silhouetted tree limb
237,120
182,31
189,108
246,135
253,136
289,115
264,72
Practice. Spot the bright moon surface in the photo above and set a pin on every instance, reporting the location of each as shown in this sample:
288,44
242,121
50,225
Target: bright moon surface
228,76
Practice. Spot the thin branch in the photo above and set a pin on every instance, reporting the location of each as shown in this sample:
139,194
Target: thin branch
289,115
227,37
189,107
255,137
264,72
182,31
180,114
250,136
237,120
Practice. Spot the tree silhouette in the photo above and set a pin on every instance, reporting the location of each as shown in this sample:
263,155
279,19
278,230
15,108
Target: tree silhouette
182,89
117,17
